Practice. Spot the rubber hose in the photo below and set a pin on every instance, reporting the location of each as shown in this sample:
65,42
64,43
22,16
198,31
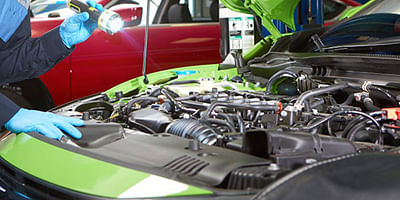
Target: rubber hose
147,100
240,121
355,129
278,75
369,104
315,92
191,128
385,92
357,120
228,119
184,82
348,100
222,123
340,113
317,103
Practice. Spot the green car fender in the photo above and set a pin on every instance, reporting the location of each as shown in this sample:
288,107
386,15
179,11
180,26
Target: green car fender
85,174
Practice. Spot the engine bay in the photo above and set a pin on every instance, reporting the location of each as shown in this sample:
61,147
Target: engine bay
194,127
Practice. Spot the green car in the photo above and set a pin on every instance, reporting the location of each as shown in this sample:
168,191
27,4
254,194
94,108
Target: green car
309,115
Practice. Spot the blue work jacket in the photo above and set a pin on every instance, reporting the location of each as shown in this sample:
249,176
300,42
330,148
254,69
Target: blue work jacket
23,57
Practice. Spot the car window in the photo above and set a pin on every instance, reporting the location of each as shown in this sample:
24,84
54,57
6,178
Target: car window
367,28
155,5
203,10
186,11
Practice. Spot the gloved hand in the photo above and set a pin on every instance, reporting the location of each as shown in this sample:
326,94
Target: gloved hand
78,28
46,123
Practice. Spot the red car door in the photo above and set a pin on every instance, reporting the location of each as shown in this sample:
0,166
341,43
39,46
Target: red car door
104,61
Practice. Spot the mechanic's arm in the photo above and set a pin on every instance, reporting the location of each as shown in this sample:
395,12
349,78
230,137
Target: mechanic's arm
23,57
17,120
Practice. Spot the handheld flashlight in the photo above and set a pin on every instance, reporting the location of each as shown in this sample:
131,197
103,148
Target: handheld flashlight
107,21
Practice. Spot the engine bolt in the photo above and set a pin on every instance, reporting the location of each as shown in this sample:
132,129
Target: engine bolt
85,115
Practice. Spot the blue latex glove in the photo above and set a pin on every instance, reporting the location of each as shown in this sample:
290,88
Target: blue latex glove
78,28
46,123
92,3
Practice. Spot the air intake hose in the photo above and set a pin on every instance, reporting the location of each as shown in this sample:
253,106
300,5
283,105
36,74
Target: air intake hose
194,129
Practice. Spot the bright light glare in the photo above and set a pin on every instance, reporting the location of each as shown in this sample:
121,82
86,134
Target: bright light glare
110,22
116,25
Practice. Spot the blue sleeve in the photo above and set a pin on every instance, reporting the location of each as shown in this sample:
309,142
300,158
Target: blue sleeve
8,109
23,57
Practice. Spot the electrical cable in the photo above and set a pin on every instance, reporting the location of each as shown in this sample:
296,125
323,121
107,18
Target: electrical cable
341,113
177,104
355,129
357,120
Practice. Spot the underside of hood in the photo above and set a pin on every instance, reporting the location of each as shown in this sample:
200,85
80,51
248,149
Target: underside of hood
267,10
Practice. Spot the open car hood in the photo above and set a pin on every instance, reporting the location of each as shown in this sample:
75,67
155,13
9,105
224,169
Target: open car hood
267,10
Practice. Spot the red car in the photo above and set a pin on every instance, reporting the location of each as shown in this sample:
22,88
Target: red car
179,35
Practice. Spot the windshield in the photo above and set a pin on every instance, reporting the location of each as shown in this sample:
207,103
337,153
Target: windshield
367,28
371,30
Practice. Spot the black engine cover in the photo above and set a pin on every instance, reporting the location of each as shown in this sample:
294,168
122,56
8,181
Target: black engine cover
290,149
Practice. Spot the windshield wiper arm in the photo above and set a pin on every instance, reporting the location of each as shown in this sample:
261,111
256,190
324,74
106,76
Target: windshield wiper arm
380,43
318,42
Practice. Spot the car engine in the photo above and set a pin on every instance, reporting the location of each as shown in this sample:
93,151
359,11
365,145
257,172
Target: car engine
297,121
